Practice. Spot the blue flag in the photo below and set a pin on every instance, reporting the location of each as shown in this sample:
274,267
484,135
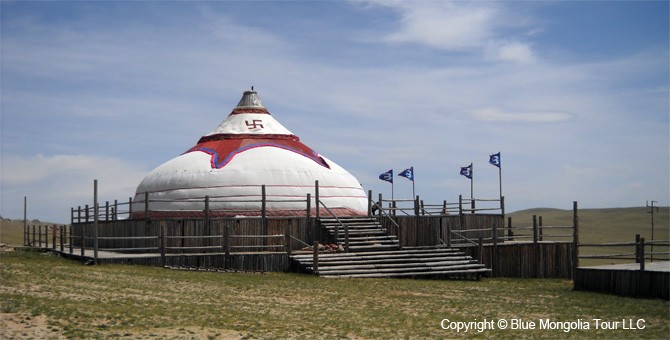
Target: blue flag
495,159
467,171
387,176
408,173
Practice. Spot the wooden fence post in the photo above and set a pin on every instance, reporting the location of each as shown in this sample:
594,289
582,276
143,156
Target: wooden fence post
540,228
535,234
346,237
575,238
460,210
538,259
206,211
107,211
494,263
39,233
480,246
369,203
510,233
263,202
25,218
163,243
264,216
641,253
226,243
83,237
146,206
315,258
287,238
95,221
71,241
308,215
316,197
62,235
54,230
637,248
380,205
448,235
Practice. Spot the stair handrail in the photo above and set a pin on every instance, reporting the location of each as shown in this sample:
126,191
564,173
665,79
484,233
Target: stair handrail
381,210
346,228
463,237
299,240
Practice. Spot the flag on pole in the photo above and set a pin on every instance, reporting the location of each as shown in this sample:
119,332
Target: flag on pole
387,176
408,173
467,171
495,159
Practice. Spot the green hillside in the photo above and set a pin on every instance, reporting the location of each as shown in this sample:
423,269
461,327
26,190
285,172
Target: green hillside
11,231
601,226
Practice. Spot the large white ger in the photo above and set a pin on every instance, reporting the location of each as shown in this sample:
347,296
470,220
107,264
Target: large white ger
230,165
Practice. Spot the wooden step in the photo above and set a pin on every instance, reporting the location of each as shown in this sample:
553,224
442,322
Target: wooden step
414,274
404,251
389,270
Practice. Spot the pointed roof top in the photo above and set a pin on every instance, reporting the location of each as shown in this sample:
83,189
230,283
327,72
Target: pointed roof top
249,118
250,100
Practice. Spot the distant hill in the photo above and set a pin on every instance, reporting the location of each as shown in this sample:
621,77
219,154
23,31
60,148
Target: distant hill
603,225
11,231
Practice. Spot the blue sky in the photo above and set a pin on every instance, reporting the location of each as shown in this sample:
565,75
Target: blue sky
575,95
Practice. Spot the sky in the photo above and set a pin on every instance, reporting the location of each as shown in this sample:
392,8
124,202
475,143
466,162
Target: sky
573,94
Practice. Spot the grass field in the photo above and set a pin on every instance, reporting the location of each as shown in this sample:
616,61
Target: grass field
46,297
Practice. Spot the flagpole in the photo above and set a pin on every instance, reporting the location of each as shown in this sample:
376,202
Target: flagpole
413,178
500,179
472,186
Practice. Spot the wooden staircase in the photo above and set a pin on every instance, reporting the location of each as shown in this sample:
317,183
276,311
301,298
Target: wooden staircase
373,253
365,233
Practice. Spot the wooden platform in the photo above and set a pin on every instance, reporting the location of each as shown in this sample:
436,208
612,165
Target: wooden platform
626,280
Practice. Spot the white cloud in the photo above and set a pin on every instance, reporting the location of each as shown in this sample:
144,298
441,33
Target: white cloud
461,26
53,184
443,25
492,114
514,51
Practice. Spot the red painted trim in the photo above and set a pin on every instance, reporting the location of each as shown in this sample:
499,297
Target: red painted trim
255,110
221,136
232,213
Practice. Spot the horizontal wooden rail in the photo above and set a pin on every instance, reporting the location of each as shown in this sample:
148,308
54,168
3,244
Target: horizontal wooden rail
194,248
193,237
257,236
129,249
124,238
268,246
